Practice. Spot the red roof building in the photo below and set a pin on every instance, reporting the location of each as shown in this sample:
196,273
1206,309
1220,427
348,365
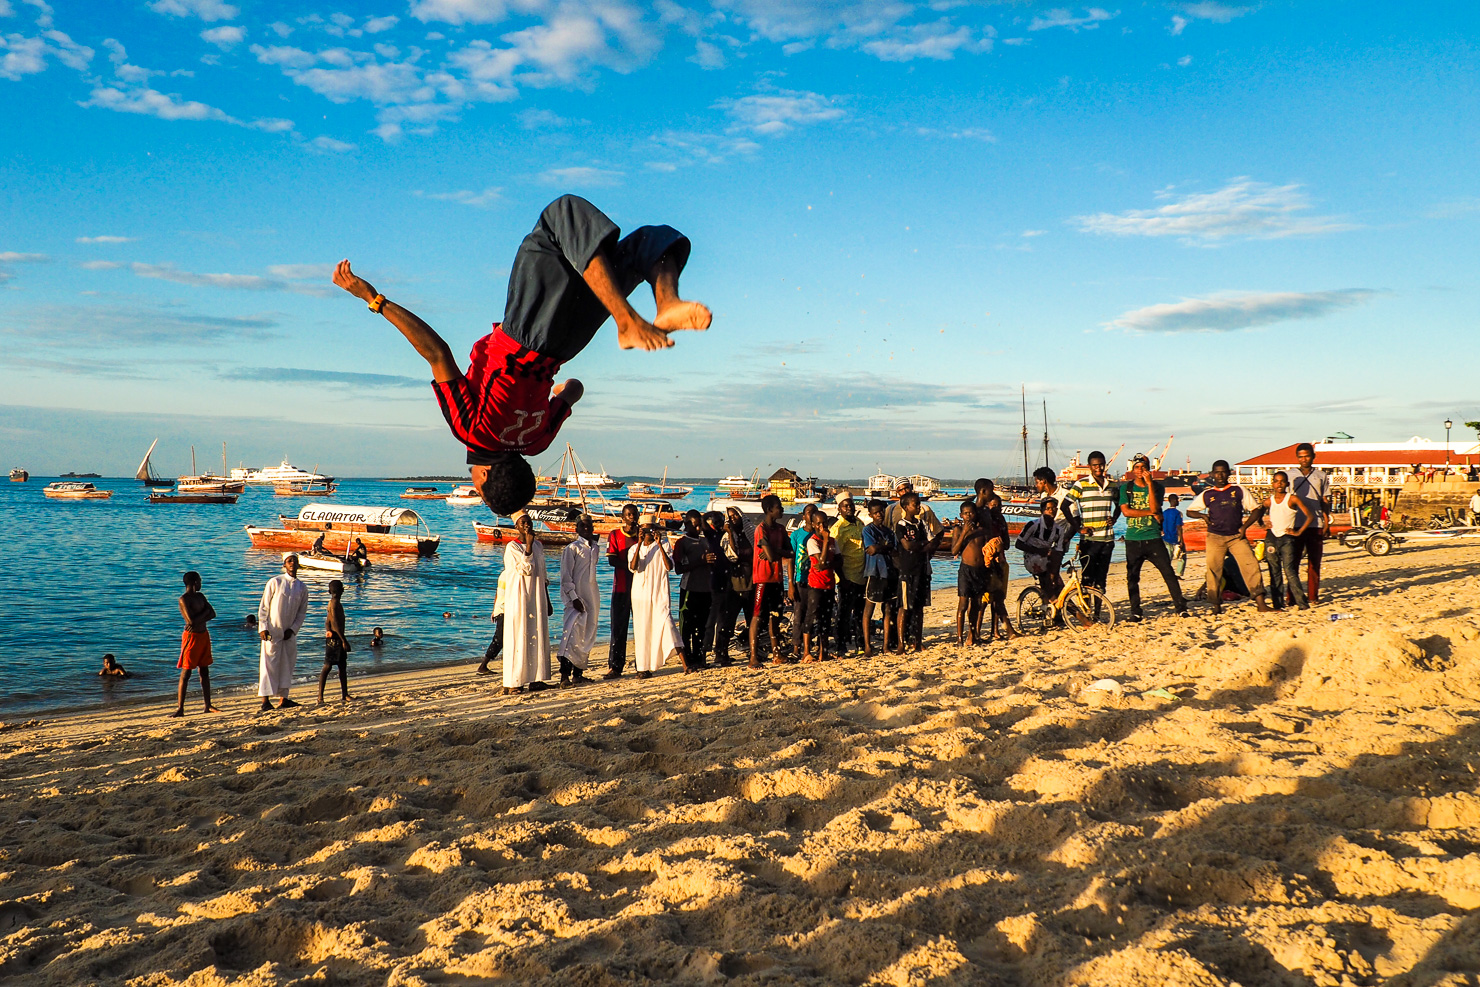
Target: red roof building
1366,464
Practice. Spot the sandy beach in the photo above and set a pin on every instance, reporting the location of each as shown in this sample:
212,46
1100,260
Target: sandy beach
1300,805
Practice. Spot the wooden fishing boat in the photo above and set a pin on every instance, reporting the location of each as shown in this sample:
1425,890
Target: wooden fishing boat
502,534
464,495
424,493
305,489
182,497
646,491
329,563
208,482
383,530
65,490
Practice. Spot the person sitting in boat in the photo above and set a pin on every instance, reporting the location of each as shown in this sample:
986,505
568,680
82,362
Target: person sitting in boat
570,274
111,669
317,548
360,553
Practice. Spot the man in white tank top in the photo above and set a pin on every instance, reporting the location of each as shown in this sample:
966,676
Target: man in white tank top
1289,519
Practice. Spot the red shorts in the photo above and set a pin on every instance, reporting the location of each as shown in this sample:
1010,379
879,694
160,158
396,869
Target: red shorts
195,650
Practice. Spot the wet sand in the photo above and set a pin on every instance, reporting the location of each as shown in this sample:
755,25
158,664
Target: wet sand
1301,809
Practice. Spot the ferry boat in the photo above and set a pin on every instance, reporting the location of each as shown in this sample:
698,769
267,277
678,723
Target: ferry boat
925,486
274,475
592,481
19,475
733,483
881,485
464,495
66,490
424,493
383,530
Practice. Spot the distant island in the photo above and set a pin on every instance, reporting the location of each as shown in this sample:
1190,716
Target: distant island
82,476
428,479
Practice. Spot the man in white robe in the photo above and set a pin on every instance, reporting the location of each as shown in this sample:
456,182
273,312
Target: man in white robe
527,612
578,595
279,618
654,633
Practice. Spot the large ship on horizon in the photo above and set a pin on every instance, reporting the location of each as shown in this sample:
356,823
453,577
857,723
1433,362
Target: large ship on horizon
272,476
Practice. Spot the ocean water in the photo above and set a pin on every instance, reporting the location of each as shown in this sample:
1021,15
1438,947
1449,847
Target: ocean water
81,578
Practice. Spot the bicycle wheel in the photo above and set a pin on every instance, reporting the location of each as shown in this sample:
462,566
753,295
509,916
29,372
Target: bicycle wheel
1033,613
1088,608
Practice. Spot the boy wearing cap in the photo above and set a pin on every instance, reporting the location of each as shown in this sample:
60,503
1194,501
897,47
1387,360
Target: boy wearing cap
1140,505
572,272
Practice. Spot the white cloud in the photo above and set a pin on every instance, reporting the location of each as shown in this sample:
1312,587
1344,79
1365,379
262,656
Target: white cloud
1063,17
472,11
105,239
280,29
1244,209
777,113
206,10
302,272
478,200
14,257
100,265
24,56
1230,312
329,144
542,119
6,10
235,282
1032,233
376,25
936,41
224,37
1218,13
581,177
151,102
965,133
1185,61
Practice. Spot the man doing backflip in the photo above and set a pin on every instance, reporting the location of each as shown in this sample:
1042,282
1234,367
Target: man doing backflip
571,272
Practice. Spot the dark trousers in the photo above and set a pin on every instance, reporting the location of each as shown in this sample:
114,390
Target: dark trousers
1154,551
725,606
550,308
1311,545
849,623
693,619
814,616
497,644
621,619
1280,551
1096,561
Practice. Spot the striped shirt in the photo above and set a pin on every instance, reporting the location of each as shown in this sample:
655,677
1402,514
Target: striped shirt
1096,508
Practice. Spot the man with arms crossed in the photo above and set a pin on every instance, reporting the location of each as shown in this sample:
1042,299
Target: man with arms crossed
1224,505
279,618
1313,486
571,273
771,575
1095,503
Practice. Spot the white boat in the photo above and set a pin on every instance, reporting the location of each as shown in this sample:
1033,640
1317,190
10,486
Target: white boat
208,482
272,476
925,486
592,481
19,475
733,483
68,490
464,495
881,485
328,563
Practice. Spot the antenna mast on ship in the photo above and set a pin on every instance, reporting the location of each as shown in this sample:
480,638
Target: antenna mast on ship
1045,432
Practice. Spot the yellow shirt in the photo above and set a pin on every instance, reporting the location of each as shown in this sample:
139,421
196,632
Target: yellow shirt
848,536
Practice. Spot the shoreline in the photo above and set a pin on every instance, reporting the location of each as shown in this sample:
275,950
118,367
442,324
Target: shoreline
1257,799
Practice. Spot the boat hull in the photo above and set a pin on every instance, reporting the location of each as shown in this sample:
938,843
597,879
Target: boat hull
323,563
192,498
503,534
301,539
78,495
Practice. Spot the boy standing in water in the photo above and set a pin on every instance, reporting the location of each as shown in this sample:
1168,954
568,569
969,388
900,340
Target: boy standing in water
336,648
195,642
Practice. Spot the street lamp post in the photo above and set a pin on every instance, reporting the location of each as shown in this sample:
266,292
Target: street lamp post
1447,426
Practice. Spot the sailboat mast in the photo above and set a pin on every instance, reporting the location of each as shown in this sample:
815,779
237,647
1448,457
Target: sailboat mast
192,462
223,460
1027,477
1045,432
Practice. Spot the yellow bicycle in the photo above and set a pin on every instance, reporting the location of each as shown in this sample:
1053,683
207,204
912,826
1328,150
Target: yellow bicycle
1078,607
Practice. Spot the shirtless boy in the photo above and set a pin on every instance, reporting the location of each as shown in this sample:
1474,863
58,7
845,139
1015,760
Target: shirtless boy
336,648
971,578
571,273
195,642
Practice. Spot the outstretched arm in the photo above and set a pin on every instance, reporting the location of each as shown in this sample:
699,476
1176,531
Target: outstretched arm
431,346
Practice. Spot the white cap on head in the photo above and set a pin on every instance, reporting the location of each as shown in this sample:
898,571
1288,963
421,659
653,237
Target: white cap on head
516,516
842,495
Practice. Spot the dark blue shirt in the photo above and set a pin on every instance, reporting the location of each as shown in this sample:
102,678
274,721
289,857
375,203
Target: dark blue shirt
1171,523
879,537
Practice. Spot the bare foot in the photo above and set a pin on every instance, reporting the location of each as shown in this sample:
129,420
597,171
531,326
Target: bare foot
318,704
683,315
177,714
212,709
288,704
641,335
264,707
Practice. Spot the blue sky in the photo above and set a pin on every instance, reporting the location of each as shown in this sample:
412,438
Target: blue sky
1242,224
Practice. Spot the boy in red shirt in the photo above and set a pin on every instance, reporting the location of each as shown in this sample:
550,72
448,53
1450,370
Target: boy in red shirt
571,272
